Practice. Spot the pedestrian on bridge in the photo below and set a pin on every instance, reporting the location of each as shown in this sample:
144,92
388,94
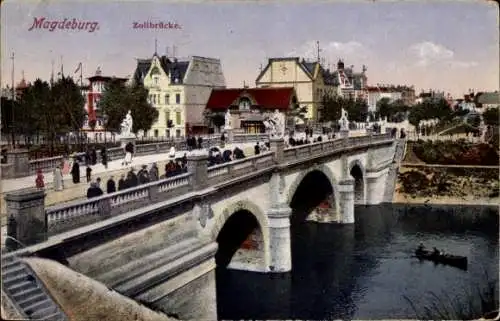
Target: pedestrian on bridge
58,179
110,185
75,172
39,179
88,173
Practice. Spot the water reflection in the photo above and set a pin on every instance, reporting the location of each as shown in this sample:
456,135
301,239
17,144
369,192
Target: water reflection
364,270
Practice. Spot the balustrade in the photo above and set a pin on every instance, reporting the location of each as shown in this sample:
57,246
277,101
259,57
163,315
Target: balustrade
74,214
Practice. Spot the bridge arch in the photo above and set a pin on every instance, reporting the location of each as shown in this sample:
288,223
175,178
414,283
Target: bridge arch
358,172
323,173
238,221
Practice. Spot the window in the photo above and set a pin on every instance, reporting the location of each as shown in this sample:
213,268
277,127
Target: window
177,98
178,118
167,133
167,117
244,104
158,99
167,99
178,133
156,132
155,79
154,99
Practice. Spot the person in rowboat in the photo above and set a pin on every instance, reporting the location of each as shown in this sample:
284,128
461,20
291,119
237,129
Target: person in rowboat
435,251
421,247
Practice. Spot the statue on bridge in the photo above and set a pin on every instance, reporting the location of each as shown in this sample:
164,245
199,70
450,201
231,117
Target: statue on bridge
275,125
126,125
344,121
227,120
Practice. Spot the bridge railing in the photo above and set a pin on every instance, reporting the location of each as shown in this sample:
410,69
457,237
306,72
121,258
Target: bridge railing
70,215
114,153
310,150
66,216
223,172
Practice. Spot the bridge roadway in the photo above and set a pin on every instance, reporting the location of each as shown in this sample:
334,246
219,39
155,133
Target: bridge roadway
78,191
162,250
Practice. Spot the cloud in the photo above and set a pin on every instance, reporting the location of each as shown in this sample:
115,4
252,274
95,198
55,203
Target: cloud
427,53
331,51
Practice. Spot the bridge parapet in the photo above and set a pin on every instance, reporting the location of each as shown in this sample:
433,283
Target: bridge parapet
67,216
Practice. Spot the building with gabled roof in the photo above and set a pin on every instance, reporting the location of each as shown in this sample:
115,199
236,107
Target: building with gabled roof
92,93
249,107
309,79
179,89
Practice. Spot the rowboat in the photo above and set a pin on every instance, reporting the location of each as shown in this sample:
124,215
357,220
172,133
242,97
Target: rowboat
447,259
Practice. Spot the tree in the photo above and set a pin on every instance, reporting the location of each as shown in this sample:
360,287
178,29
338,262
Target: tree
357,109
490,116
143,113
332,108
118,99
68,101
384,107
44,118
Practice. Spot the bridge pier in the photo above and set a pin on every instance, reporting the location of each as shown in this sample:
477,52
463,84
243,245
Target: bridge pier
375,186
346,193
280,247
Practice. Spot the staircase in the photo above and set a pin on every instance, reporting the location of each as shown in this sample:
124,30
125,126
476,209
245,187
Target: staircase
27,292
392,176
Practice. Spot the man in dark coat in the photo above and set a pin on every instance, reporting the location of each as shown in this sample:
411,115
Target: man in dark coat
200,142
132,180
110,185
94,191
143,175
104,157
75,172
93,156
257,149
122,183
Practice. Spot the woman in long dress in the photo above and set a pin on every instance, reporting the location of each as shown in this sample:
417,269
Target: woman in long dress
58,179
75,172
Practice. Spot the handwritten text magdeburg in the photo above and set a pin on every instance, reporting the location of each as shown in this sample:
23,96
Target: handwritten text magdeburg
67,24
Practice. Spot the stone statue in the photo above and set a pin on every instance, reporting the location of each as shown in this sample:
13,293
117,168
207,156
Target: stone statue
227,118
344,121
126,125
279,124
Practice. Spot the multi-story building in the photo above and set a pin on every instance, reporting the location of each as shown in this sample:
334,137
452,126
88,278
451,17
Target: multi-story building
92,94
179,89
249,107
431,94
392,92
351,84
309,79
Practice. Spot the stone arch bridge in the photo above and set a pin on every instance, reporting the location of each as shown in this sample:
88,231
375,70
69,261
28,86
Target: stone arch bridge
236,214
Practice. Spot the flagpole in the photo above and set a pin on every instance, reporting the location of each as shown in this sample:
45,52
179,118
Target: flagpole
81,74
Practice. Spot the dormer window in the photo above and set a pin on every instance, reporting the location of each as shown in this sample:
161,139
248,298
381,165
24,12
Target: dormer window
156,79
244,104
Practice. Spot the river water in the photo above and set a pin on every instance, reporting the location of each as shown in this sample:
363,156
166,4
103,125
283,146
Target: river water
366,270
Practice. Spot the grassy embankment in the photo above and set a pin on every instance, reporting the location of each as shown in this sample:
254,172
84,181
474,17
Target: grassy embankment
449,185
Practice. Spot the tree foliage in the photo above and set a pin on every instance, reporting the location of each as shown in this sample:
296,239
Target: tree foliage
118,99
333,105
490,116
48,110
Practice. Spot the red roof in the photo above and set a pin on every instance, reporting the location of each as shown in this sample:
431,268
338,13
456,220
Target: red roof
267,98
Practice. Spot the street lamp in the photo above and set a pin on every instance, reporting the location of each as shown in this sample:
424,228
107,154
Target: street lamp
105,123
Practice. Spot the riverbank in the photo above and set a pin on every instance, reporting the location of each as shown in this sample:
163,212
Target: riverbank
453,186
445,200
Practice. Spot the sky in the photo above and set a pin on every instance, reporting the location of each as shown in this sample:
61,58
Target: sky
444,45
